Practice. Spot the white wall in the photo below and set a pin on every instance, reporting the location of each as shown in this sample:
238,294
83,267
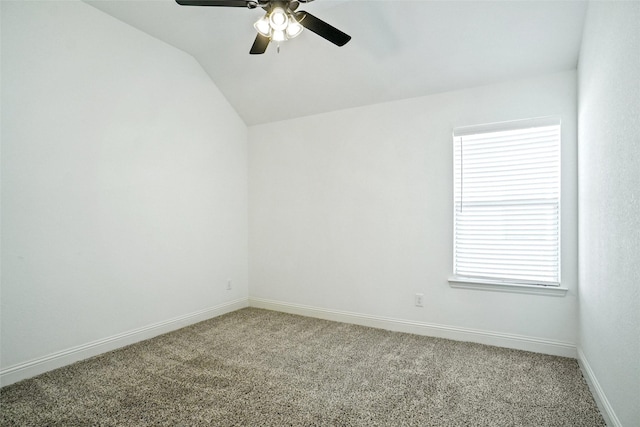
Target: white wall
124,182
609,178
352,211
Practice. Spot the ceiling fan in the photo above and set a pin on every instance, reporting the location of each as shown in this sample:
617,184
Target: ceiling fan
281,22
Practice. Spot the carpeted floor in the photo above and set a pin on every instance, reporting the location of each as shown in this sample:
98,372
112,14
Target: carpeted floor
263,368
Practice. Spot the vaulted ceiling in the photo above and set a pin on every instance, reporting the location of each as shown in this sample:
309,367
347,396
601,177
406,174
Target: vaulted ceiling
400,49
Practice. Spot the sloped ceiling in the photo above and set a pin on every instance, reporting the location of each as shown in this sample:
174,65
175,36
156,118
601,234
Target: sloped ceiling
400,49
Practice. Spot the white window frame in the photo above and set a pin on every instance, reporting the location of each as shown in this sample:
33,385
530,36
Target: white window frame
501,282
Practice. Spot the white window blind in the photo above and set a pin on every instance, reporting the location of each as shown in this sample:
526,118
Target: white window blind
507,202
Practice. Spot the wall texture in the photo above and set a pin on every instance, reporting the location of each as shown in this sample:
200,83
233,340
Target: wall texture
609,202
352,210
124,182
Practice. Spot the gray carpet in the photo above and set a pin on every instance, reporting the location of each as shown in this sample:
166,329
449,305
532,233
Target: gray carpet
263,368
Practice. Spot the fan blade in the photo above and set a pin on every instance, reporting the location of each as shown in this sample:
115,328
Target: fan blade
259,45
224,3
322,29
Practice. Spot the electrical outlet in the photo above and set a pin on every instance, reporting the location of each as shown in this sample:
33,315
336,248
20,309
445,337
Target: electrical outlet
419,300
229,284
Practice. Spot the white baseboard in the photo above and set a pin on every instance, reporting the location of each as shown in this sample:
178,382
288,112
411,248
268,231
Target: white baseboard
59,359
596,390
517,342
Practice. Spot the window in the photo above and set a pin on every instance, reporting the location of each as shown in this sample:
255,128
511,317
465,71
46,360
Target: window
507,203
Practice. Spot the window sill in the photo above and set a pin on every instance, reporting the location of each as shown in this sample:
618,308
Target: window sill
494,286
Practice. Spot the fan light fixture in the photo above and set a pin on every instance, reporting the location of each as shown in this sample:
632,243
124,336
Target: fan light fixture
282,21
278,25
